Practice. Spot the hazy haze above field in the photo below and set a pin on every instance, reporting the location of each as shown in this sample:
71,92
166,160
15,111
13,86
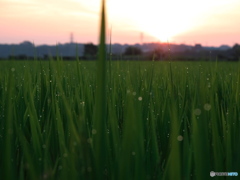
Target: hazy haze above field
209,22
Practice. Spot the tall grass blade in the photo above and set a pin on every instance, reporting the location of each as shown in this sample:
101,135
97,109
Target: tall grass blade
99,121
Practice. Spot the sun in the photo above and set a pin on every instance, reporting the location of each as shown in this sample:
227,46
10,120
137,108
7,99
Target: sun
164,21
163,32
168,19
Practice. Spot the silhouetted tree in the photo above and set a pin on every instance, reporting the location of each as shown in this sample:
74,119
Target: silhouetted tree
90,49
236,51
132,50
156,54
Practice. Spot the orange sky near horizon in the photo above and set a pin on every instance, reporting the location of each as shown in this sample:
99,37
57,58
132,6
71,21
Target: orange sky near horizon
209,22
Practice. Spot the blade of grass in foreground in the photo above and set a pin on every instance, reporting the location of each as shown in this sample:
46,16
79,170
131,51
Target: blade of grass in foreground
99,121
8,137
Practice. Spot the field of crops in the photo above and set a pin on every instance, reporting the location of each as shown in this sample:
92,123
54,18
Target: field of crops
118,120
163,120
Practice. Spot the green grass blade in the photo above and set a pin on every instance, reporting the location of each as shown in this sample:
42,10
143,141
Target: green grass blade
99,121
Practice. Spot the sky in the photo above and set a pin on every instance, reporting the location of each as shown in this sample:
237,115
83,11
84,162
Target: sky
208,22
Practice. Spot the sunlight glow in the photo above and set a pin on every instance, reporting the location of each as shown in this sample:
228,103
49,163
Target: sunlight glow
213,21
166,19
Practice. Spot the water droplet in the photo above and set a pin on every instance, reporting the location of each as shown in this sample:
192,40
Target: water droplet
209,85
94,131
207,107
197,112
179,138
13,69
140,98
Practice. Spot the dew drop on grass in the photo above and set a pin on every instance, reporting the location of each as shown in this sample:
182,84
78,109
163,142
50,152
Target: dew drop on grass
140,98
94,131
207,107
12,69
197,112
134,93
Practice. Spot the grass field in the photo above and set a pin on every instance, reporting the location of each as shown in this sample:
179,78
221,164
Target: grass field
164,120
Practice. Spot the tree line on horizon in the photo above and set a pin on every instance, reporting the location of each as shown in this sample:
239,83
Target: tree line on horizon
151,51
